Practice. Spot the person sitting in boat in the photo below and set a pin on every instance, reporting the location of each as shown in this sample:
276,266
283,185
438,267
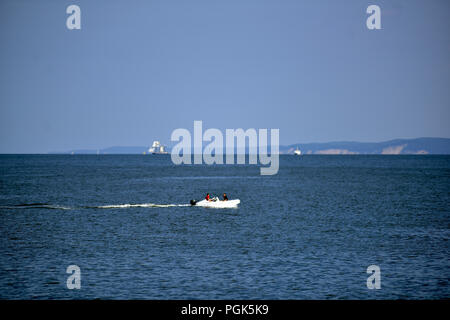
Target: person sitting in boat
207,198
225,198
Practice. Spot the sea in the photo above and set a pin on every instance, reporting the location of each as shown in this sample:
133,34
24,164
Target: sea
312,231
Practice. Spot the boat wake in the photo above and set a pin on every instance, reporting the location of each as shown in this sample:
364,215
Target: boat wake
35,206
142,205
111,206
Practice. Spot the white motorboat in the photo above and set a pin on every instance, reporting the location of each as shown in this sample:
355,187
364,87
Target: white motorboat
216,203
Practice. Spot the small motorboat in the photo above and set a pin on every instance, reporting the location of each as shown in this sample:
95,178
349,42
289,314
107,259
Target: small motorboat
216,203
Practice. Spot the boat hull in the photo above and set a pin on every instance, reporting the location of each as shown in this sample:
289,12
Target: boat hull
218,204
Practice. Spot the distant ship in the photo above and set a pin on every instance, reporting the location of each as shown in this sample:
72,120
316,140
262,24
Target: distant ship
157,148
297,152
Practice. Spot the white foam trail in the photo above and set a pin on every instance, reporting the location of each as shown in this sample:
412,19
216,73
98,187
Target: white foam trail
59,207
111,206
142,205
36,206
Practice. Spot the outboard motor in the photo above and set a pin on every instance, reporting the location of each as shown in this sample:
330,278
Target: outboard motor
193,202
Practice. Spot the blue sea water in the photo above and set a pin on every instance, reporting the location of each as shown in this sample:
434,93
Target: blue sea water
309,232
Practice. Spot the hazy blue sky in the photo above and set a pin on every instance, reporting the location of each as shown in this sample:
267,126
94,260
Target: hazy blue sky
137,70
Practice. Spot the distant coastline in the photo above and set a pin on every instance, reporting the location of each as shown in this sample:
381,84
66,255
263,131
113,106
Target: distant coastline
396,146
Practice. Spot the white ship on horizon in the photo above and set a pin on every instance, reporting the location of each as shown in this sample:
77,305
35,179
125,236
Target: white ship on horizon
157,148
297,152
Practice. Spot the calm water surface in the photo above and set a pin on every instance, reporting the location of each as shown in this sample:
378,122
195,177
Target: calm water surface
309,232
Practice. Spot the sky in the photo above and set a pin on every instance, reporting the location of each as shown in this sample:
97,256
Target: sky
137,70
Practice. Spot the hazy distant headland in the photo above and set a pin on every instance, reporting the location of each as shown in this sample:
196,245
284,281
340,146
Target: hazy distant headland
397,146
